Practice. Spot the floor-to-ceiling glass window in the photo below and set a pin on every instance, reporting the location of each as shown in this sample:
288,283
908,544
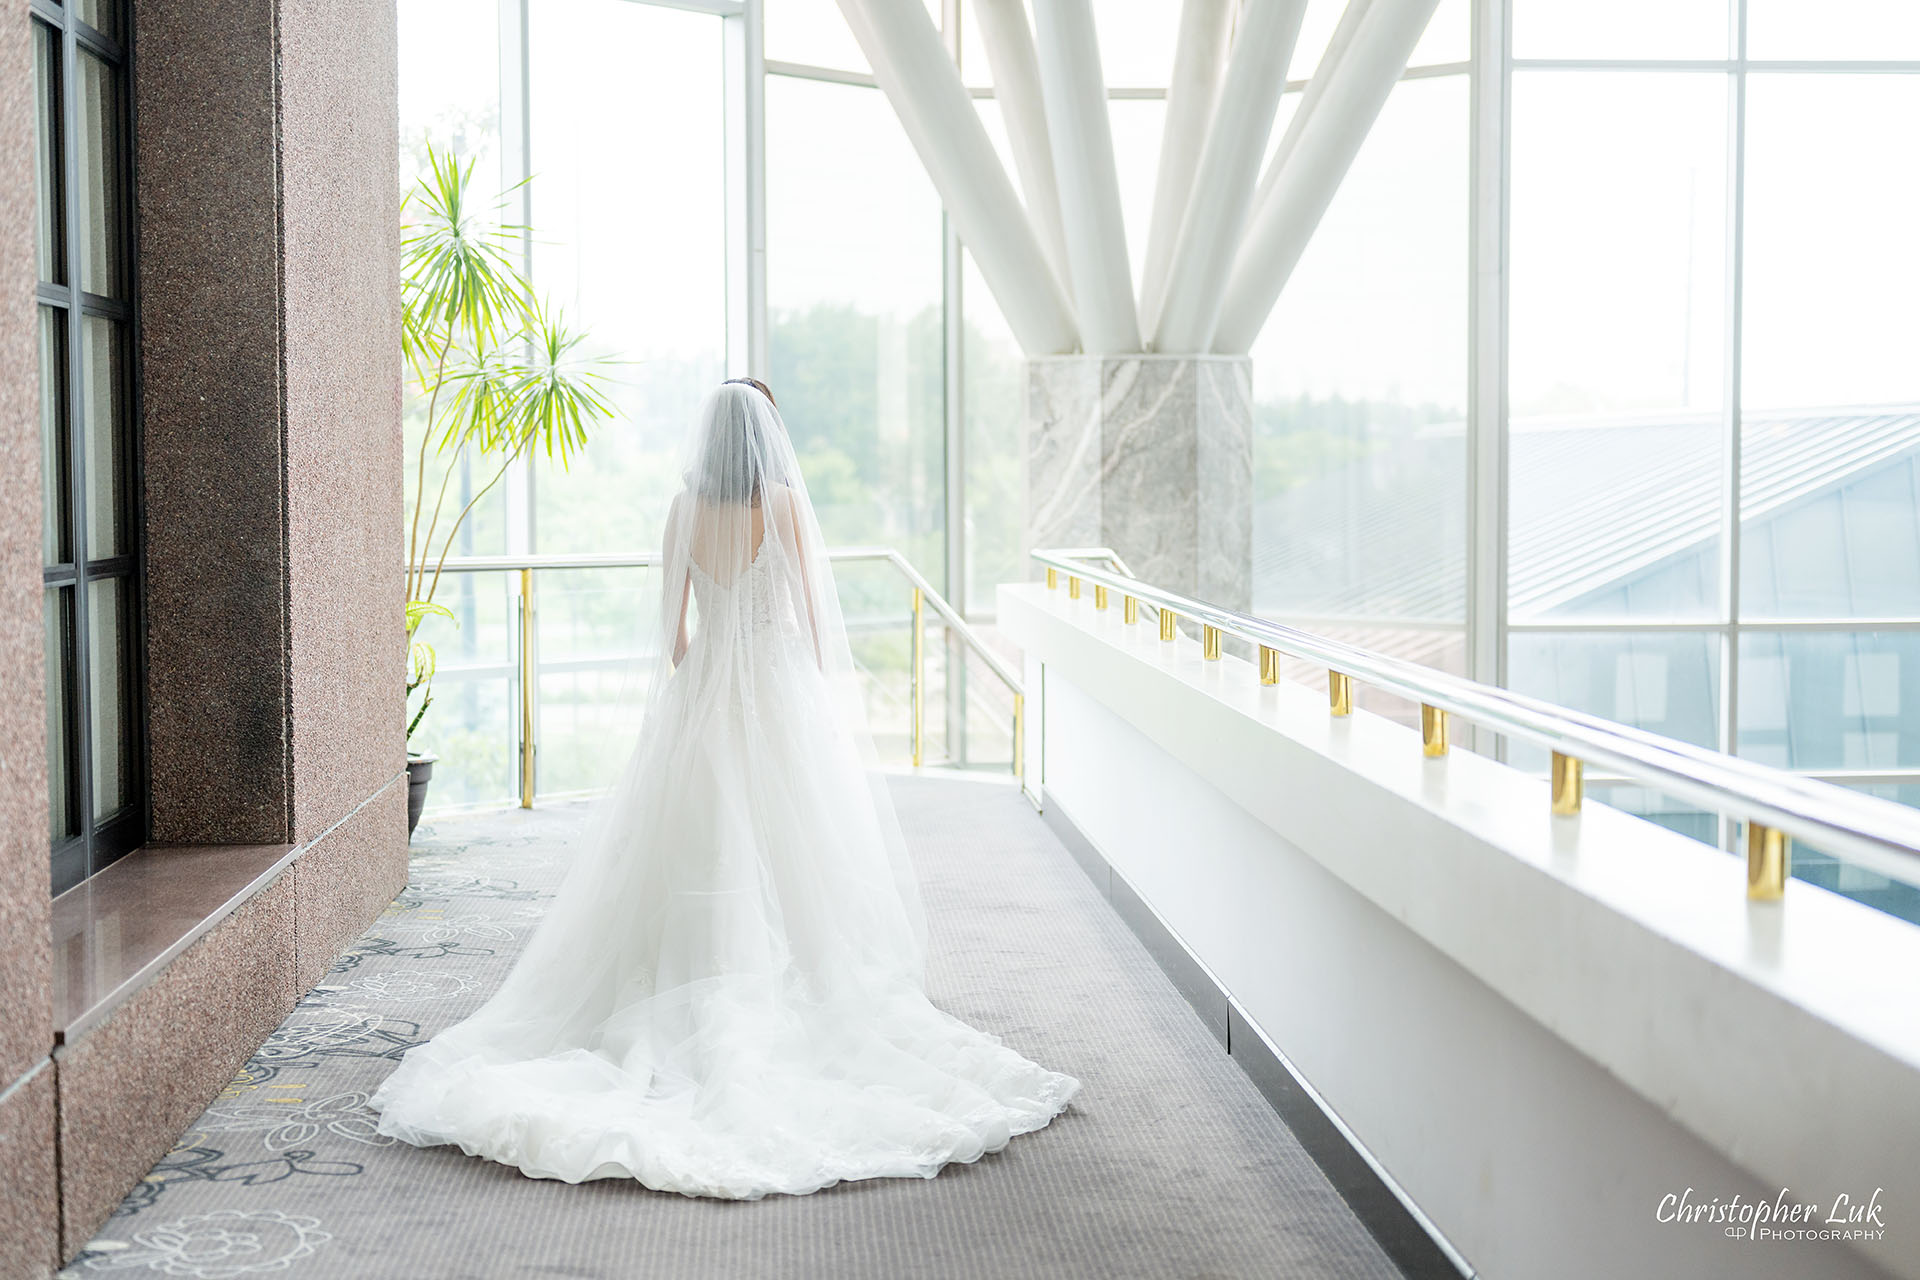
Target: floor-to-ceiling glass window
89,449
856,341
1713,490
1360,379
450,100
626,108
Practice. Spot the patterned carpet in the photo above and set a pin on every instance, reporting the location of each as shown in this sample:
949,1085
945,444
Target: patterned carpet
1167,1165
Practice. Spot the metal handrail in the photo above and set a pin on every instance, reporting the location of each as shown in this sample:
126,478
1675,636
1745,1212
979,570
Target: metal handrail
1875,833
923,592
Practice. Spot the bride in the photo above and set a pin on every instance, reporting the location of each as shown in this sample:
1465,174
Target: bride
726,996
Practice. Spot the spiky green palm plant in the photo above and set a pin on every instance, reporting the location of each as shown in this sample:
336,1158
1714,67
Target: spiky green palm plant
501,374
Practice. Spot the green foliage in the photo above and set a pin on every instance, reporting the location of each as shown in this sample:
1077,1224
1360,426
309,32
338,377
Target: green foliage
501,374
1299,440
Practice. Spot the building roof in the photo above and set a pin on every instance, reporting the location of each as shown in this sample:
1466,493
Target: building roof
1592,502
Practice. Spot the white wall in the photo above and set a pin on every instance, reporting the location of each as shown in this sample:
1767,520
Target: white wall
1538,1027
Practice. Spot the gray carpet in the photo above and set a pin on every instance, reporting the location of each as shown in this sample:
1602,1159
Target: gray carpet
1168,1164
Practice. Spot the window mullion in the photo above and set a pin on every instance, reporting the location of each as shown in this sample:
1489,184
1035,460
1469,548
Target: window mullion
1731,480
76,408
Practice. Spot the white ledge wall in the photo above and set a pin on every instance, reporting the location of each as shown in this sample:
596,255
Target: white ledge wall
1537,1026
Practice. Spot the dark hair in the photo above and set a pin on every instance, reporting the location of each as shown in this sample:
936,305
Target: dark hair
730,469
757,385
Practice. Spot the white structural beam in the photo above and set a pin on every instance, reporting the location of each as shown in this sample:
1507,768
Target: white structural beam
1076,99
1199,57
920,80
1318,151
1229,167
1310,97
1016,87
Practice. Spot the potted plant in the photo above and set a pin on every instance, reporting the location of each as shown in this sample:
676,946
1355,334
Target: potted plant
502,379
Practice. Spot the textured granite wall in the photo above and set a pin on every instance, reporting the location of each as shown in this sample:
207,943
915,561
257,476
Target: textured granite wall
214,422
346,878
131,1085
270,307
29,1184
1149,455
28,1210
339,146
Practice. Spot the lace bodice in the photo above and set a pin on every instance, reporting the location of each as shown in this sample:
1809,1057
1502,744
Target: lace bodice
758,597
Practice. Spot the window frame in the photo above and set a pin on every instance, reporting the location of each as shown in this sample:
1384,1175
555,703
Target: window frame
96,842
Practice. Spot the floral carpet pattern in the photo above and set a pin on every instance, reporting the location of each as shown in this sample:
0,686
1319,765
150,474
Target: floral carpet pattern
1169,1163
298,1112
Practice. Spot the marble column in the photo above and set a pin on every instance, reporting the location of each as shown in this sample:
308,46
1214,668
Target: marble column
1151,455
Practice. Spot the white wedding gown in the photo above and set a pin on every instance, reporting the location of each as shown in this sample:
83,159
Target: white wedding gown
725,997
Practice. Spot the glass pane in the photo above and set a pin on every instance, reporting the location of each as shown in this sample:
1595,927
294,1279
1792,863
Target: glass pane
1621,29
813,33
1667,683
473,724
1832,264
1136,42
99,193
1830,514
597,628
1655,806
1616,351
55,493
102,353
996,452
854,294
109,651
633,252
1137,124
1448,37
1830,522
445,103
1831,699
1895,897
46,154
1832,29
450,90
102,15
1360,392
57,608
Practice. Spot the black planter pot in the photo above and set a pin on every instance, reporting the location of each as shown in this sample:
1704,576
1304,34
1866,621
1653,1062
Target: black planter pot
419,773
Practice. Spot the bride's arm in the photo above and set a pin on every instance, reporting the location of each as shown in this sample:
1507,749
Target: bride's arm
792,518
680,634
674,515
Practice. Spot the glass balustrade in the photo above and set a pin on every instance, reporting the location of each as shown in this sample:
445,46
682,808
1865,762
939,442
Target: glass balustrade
594,634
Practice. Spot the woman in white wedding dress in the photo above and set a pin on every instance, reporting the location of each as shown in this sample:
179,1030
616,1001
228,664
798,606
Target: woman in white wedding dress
726,996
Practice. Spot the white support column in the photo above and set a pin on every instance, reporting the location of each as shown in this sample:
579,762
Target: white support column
923,85
1076,100
1016,87
1206,32
1310,97
1321,153
1229,167
746,183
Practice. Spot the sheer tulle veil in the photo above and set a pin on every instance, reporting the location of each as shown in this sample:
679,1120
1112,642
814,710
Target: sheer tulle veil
743,506
726,995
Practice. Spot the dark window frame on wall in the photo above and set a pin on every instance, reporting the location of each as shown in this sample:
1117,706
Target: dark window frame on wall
90,454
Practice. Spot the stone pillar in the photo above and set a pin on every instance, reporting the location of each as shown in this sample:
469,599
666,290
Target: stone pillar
29,1206
1151,455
